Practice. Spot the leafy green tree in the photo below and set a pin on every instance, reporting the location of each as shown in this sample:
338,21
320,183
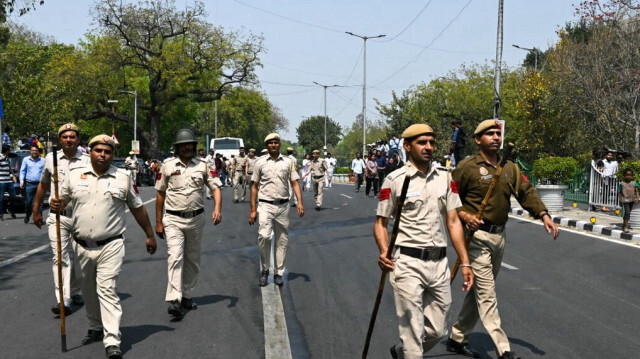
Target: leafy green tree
311,133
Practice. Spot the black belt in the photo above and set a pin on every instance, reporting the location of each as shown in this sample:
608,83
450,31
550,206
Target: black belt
85,244
492,228
188,214
318,176
250,172
426,254
32,182
275,201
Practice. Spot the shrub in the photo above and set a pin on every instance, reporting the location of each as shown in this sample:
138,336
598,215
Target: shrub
341,170
555,170
632,165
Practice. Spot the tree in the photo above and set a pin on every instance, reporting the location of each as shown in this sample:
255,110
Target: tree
9,6
311,133
175,54
351,143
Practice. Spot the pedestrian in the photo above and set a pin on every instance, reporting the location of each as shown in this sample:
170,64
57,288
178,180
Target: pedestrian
239,170
6,139
381,162
358,166
317,169
458,141
23,143
210,159
220,170
99,237
472,176
69,157
371,174
331,164
610,169
628,195
394,145
306,162
228,169
272,176
180,195
131,164
292,199
30,173
251,165
419,266
7,179
41,148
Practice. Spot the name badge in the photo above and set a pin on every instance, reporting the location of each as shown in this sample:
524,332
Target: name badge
413,194
83,184
487,177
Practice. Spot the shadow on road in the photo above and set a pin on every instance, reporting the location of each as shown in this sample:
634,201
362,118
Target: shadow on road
215,298
136,334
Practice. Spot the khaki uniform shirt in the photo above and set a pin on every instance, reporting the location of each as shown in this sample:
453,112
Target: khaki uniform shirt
274,177
251,165
65,164
473,176
183,184
318,168
240,163
423,222
98,201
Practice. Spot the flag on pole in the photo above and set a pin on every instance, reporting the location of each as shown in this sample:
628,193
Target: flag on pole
115,139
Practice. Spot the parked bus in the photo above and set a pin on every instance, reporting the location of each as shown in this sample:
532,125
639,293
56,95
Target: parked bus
226,146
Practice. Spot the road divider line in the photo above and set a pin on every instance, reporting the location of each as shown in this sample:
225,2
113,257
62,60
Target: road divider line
276,337
42,247
509,266
344,195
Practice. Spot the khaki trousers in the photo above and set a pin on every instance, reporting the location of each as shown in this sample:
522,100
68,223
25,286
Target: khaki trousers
71,274
318,188
239,181
273,218
485,253
184,241
100,269
423,297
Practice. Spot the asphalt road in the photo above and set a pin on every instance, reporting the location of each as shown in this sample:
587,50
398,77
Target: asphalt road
571,298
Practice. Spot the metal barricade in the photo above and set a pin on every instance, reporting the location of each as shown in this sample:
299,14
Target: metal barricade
603,190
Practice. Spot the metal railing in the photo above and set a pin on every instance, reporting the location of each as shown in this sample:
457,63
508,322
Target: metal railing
603,190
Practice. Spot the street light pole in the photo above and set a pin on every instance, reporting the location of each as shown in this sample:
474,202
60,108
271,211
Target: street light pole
325,113
364,88
135,111
535,53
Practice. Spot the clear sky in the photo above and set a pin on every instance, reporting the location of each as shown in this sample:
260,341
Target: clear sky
306,42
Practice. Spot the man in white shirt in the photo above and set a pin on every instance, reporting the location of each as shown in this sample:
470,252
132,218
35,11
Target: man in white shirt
331,164
357,166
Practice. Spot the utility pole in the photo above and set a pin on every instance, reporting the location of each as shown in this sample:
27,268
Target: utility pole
535,53
496,96
325,113
364,89
215,119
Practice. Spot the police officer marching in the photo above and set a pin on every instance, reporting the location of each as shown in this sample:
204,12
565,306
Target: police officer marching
473,176
419,266
98,193
69,157
272,176
251,164
180,195
131,164
293,199
239,170
319,168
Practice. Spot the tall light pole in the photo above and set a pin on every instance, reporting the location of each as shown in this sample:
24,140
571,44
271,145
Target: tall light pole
364,89
325,113
497,101
535,52
135,111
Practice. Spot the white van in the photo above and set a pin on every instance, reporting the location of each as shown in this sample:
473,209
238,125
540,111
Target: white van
226,146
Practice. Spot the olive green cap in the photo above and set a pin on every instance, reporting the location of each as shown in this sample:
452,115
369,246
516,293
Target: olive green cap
417,129
68,127
102,140
485,125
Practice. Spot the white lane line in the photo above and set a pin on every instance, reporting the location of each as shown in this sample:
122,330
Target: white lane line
276,338
344,195
509,266
36,250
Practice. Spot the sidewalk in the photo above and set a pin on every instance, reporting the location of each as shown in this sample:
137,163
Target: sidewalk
579,217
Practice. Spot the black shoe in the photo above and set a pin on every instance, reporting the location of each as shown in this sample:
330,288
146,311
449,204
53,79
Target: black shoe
293,205
461,348
277,279
317,208
26,219
264,278
113,352
13,215
77,299
174,309
509,355
396,351
56,310
93,336
188,304
235,201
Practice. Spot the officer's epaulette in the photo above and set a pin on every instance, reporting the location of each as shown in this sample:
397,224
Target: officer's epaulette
443,169
169,160
398,172
465,161
123,171
84,154
199,159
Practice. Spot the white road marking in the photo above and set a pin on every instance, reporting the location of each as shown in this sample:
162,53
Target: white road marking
509,266
344,195
276,338
36,250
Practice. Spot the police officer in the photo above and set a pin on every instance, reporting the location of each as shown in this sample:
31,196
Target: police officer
98,193
131,164
318,167
251,164
239,170
419,266
293,200
272,176
472,177
180,190
69,157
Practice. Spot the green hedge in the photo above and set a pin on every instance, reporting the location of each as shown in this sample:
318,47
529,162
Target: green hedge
555,170
632,165
341,170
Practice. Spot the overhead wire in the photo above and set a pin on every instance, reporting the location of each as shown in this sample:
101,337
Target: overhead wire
410,23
